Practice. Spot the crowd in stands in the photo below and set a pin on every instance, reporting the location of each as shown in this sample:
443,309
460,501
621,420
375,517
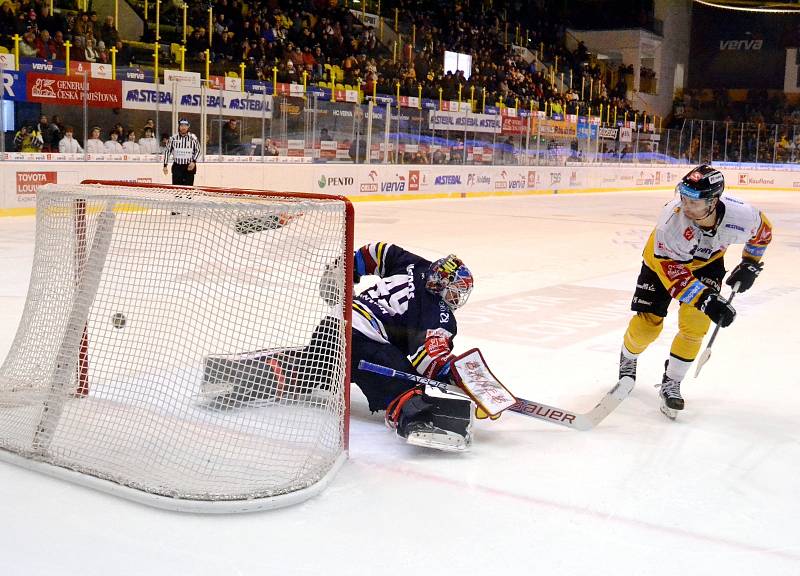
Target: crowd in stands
44,34
761,127
305,38
306,35
758,107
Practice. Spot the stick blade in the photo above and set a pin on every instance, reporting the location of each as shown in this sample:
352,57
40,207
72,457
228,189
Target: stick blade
701,361
583,422
611,401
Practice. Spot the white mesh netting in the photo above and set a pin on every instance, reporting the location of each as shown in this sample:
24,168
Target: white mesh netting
190,358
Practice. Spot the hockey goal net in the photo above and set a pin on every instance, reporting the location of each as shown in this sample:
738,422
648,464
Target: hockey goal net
187,348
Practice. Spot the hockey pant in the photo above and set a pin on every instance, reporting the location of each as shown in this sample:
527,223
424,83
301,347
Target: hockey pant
182,176
380,390
651,301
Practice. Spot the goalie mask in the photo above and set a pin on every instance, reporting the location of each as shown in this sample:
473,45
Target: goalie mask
450,279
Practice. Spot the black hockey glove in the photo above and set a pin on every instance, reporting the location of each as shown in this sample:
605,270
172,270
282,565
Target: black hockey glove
714,306
745,274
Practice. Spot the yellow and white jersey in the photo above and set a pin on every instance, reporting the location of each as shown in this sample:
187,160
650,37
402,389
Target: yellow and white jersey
677,247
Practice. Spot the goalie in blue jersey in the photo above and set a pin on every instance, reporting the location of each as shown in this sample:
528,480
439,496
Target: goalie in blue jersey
407,322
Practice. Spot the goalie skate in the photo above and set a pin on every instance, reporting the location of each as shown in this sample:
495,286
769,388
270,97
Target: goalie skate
427,435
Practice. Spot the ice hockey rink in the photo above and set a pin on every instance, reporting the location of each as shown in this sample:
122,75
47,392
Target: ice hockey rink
714,492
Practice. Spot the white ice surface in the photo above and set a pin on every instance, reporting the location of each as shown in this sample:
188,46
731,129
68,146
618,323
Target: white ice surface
715,492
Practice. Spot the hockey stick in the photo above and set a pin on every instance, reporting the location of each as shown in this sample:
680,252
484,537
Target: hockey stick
585,421
707,352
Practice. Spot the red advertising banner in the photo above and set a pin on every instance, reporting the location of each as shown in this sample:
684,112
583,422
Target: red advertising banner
413,180
80,68
216,82
346,95
52,89
514,125
28,182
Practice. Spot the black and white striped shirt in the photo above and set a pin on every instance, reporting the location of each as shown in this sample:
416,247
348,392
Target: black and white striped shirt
184,149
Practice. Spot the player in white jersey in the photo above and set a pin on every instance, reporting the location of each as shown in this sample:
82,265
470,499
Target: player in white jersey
684,260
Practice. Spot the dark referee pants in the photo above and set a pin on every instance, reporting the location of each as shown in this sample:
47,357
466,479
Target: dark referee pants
181,175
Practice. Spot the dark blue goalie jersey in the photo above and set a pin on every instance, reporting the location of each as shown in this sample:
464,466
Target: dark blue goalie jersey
399,310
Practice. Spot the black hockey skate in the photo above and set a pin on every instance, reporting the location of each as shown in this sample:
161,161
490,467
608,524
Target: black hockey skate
671,399
627,367
427,435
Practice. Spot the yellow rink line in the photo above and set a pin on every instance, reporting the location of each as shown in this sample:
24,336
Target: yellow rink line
29,211
124,207
751,189
17,211
496,193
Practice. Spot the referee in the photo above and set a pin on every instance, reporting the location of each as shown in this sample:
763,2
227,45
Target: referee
185,149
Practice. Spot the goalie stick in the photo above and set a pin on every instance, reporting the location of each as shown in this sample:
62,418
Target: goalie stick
584,421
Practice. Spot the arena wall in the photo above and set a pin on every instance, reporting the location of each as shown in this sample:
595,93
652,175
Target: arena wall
19,179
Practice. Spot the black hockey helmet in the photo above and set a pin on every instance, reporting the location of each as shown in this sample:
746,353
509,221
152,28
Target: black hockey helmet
703,182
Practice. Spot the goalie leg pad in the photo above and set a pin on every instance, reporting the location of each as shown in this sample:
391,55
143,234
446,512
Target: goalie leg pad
432,421
247,381
257,224
285,375
453,414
